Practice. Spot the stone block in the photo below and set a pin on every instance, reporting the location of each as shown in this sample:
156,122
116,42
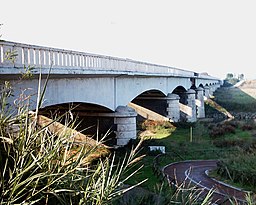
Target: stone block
125,120
126,127
130,134
122,141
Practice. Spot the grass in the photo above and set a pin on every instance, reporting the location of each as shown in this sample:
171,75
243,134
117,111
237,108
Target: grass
37,168
216,176
43,163
235,100
179,147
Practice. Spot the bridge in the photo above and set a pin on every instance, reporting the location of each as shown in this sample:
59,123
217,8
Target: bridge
105,87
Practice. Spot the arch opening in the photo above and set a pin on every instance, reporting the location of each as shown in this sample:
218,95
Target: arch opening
181,92
201,85
90,119
153,100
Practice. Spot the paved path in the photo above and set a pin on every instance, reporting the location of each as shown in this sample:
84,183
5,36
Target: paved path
194,173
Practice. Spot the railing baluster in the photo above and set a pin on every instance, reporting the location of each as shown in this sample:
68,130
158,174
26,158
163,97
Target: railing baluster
78,61
95,61
51,58
46,58
41,57
84,56
55,58
82,60
71,60
31,59
92,61
75,60
60,59
99,62
67,59
89,61
63,59
25,57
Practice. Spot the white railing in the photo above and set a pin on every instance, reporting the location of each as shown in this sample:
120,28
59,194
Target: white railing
44,57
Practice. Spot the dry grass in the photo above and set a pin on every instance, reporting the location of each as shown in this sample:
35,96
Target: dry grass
77,139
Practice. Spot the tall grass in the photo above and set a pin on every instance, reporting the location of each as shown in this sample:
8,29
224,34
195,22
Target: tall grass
39,166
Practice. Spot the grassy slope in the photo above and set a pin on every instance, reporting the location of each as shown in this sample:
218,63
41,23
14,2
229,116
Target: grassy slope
240,99
178,143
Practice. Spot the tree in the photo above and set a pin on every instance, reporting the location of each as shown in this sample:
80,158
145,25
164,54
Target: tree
241,77
229,76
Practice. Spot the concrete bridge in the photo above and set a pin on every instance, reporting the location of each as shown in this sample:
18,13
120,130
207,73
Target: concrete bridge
105,87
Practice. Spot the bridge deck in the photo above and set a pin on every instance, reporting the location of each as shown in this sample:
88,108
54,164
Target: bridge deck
73,62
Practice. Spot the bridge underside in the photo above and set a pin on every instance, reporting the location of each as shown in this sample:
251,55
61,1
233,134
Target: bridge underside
101,102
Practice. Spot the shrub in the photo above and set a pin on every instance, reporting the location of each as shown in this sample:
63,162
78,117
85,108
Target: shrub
229,142
222,129
155,126
239,169
247,127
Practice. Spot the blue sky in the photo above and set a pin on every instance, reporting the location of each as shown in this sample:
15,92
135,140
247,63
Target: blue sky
217,37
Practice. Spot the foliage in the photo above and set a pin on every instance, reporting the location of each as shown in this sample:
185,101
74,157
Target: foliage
156,126
235,100
231,79
42,167
27,74
220,129
231,168
218,107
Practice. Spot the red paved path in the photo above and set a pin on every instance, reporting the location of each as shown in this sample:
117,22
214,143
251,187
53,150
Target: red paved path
194,172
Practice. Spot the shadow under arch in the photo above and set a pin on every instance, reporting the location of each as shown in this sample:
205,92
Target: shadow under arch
201,86
182,93
90,119
153,100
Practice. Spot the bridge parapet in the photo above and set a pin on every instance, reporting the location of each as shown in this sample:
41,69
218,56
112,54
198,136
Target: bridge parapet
60,59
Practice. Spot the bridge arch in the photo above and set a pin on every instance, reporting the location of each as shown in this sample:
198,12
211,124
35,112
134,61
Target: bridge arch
130,88
88,118
154,100
99,91
181,92
81,108
201,85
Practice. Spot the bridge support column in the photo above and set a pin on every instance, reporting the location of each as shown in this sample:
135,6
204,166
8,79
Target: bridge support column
173,108
191,103
211,90
206,92
125,121
200,102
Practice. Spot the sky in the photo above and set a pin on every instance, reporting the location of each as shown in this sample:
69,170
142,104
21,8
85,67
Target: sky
217,37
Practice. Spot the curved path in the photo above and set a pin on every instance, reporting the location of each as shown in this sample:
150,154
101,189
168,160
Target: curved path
194,173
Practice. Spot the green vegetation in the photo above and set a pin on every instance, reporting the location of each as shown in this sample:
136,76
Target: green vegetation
235,100
231,79
42,166
232,142
203,146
